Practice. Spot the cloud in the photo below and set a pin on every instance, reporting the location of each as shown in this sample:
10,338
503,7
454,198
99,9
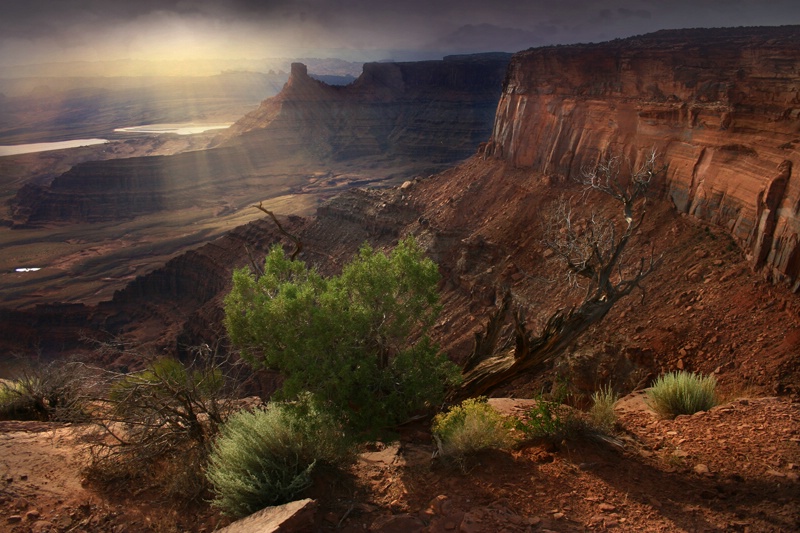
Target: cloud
41,30
486,37
641,13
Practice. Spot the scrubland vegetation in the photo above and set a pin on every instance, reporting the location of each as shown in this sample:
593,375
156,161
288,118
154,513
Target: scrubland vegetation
469,427
267,456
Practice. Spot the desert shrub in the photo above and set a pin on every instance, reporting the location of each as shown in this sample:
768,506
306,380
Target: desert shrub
543,420
158,424
358,341
602,412
167,397
55,391
266,457
550,419
469,427
682,393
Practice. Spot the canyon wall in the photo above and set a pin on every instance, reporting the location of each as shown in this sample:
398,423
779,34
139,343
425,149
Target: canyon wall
435,110
720,106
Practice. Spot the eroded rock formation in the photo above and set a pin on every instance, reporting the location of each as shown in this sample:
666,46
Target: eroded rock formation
438,110
722,106
433,113
731,155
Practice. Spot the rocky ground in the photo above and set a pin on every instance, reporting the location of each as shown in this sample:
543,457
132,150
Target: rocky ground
734,468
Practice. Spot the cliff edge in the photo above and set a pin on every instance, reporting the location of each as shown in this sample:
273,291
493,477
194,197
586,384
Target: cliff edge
436,110
722,107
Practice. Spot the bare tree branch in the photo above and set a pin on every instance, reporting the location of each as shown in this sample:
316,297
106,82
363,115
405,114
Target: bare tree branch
297,242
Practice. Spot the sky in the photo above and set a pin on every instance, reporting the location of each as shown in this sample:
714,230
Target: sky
44,31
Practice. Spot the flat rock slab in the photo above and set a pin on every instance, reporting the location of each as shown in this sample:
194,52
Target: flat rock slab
635,402
512,406
287,518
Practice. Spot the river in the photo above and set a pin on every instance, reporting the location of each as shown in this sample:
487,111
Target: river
189,128
44,147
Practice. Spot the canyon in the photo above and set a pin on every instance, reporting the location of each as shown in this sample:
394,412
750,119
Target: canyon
122,210
721,106
74,104
717,106
721,111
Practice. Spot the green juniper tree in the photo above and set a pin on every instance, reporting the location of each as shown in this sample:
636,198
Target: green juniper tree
357,342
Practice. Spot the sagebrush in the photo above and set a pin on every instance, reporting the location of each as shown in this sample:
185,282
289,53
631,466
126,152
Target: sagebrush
266,456
471,426
682,393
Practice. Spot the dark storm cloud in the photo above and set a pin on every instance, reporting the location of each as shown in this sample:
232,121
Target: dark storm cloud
29,18
641,13
33,17
35,28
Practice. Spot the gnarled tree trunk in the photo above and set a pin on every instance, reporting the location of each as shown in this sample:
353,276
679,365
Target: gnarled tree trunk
593,253
530,352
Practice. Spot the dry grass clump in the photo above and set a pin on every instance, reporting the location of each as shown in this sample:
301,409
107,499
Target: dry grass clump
602,412
682,393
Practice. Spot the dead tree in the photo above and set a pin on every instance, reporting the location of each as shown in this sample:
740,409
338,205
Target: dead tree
298,244
593,251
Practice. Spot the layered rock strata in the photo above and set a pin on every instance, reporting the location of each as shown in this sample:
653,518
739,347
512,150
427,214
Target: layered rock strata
436,110
720,106
433,113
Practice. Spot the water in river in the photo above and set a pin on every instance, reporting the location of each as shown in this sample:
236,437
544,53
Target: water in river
44,147
189,128
181,129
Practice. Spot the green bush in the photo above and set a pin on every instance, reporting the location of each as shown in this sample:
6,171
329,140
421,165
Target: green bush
469,427
358,342
266,457
543,420
550,419
602,411
682,393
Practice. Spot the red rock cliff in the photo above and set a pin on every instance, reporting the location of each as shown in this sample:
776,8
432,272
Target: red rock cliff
722,106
